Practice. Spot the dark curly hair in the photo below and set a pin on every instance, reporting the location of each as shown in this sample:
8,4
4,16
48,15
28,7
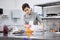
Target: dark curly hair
25,5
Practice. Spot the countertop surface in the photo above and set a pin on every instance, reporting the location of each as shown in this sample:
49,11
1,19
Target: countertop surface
46,35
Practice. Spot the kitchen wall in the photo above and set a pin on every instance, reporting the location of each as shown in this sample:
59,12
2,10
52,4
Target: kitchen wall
7,6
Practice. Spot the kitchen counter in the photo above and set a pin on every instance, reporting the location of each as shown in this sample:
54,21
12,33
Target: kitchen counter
46,36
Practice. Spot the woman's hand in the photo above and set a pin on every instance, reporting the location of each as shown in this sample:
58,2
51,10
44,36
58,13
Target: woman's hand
27,25
41,24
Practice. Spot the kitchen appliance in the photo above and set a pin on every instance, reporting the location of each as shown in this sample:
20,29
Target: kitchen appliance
1,11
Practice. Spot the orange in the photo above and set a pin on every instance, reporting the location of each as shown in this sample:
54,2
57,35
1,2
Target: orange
28,32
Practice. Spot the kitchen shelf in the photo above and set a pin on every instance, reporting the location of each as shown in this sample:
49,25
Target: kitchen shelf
47,21
54,17
49,4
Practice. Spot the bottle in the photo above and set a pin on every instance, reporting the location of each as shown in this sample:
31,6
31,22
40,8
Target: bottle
5,30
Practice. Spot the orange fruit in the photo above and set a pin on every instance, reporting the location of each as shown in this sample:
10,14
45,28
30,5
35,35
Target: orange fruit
28,32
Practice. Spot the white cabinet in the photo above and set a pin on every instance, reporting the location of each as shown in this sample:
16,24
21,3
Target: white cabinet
15,14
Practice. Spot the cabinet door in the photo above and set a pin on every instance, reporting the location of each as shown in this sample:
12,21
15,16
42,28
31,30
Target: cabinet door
15,14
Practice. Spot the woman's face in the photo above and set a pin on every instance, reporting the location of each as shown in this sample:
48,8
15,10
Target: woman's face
27,10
